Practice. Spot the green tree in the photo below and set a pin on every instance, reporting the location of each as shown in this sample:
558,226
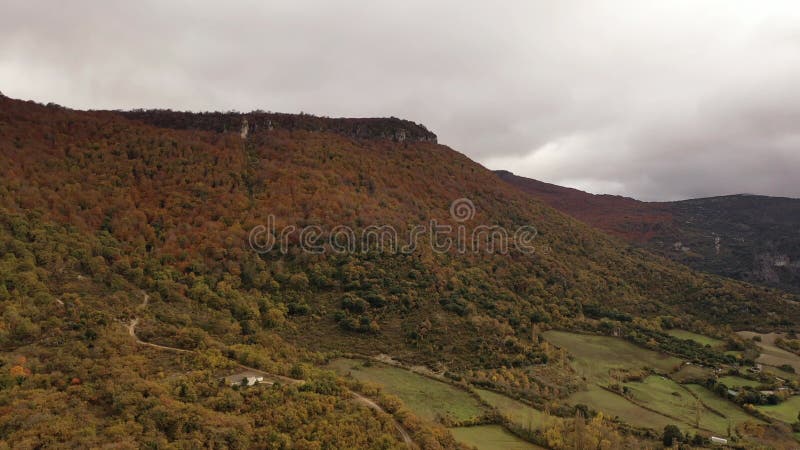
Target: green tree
672,435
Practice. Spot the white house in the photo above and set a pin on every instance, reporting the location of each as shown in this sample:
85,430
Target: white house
718,440
246,378
250,381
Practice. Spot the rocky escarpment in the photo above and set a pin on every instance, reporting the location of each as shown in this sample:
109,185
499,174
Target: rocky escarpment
390,128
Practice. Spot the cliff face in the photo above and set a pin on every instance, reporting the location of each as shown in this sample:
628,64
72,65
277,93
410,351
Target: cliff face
380,128
392,128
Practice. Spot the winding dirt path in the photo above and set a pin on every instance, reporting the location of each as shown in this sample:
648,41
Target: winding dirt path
371,404
135,321
131,326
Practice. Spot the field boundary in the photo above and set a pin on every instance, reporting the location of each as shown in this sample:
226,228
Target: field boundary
706,406
652,410
495,416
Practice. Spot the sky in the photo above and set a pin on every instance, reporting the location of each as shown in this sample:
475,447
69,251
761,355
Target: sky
653,99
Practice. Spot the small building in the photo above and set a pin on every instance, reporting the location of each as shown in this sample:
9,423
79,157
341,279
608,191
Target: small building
719,440
246,378
250,381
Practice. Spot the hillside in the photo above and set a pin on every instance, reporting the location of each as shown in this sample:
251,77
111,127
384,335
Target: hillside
97,207
747,237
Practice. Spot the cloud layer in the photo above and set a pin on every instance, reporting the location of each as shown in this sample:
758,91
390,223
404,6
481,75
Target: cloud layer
656,100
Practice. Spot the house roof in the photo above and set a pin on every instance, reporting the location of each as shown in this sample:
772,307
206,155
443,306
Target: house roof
238,377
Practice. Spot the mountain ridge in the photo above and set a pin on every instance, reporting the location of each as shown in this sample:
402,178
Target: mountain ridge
390,128
749,237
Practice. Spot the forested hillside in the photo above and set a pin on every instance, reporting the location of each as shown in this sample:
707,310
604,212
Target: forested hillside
752,238
98,207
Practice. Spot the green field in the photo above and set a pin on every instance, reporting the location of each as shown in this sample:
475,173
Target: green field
657,401
690,372
517,412
427,398
729,410
491,437
613,405
664,395
775,356
699,338
786,411
596,355
735,382
770,354
780,373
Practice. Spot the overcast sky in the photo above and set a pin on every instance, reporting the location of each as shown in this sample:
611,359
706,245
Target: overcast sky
653,99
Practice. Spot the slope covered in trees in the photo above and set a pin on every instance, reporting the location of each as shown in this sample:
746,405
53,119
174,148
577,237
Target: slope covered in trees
751,238
98,206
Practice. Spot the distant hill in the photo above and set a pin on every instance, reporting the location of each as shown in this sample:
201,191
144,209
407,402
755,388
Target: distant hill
747,237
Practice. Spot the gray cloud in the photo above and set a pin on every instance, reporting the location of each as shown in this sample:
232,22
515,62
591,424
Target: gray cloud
657,100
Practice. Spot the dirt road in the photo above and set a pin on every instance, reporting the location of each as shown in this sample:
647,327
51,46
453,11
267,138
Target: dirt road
131,326
370,404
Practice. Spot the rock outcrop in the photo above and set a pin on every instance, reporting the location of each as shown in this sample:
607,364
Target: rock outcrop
390,128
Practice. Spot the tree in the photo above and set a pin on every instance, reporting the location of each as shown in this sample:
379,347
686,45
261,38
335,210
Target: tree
580,429
672,435
697,413
297,371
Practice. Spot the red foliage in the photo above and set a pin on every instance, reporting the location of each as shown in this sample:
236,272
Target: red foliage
625,217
